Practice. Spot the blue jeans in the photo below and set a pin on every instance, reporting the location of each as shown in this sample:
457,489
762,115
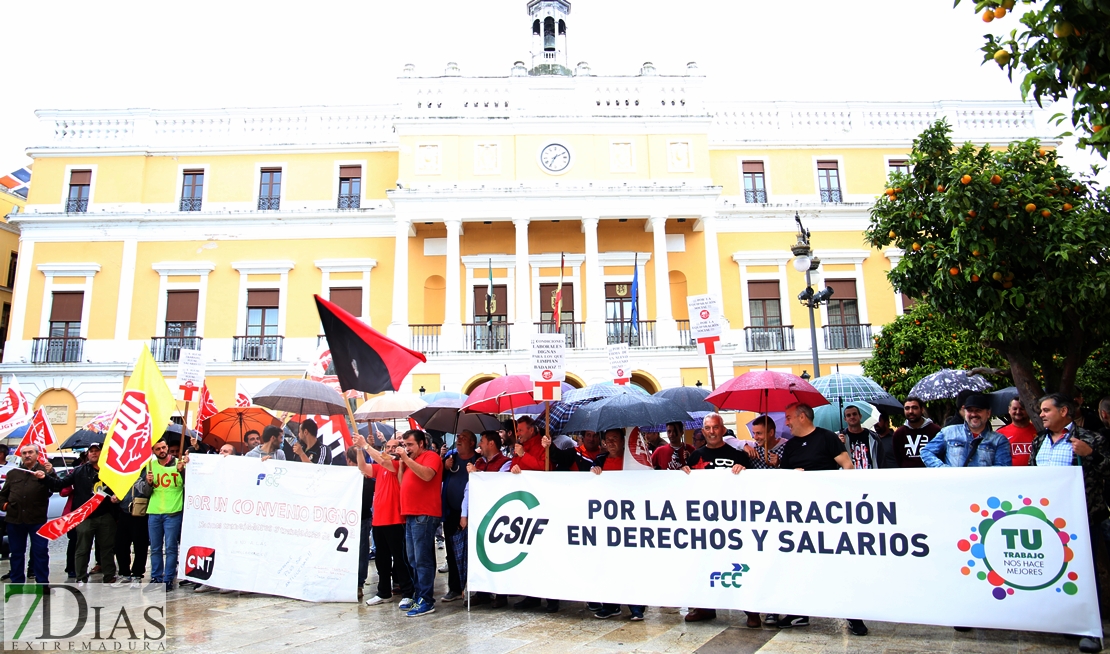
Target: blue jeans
364,541
164,527
420,545
40,558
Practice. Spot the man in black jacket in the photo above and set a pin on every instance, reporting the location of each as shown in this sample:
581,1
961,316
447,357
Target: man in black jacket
26,497
101,524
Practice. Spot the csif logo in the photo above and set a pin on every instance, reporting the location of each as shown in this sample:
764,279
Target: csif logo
516,531
200,562
730,578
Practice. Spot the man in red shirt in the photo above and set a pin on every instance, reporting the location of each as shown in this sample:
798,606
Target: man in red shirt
387,524
1020,433
530,447
590,448
422,509
672,456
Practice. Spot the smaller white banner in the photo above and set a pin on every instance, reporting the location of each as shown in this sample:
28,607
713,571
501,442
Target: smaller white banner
549,357
274,527
190,374
618,361
704,316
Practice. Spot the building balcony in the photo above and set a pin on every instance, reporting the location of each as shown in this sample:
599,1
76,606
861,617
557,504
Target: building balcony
190,204
269,204
57,349
349,202
769,339
168,348
684,335
574,331
425,338
77,205
484,336
257,348
831,195
637,334
847,337
755,196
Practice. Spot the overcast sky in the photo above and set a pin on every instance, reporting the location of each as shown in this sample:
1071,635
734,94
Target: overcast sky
205,53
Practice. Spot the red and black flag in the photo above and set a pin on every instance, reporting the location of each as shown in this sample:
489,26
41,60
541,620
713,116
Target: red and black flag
365,360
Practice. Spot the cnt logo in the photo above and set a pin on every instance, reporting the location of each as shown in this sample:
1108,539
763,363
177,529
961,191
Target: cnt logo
730,578
200,562
502,529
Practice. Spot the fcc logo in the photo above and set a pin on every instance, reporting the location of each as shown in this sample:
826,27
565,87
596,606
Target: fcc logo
199,562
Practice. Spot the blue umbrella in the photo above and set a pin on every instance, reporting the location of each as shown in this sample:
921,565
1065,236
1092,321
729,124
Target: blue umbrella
599,391
442,395
16,435
630,410
690,398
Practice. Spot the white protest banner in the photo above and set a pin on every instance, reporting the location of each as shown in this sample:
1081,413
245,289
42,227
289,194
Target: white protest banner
273,527
1005,548
618,363
190,373
548,357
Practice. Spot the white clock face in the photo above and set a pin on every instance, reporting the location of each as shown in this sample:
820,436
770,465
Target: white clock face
555,158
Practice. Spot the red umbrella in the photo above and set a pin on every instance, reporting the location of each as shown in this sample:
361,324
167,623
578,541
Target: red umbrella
502,395
764,391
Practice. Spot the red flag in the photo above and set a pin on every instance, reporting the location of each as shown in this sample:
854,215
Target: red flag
15,410
332,431
40,433
206,407
365,360
59,526
413,424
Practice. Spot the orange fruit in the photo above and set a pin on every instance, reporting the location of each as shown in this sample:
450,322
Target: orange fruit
1001,57
975,253
916,247
1007,285
889,191
1096,128
999,12
995,205
940,188
1062,30
988,16
1045,213
953,271
972,214
1030,208
975,278
997,276
965,180
996,179
891,234
1041,152
1067,207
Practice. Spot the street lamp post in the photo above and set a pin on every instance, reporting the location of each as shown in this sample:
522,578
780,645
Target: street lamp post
804,261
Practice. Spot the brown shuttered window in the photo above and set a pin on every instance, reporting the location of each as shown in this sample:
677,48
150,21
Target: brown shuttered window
350,171
80,177
826,165
753,166
763,290
181,306
843,289
349,299
262,298
500,302
67,306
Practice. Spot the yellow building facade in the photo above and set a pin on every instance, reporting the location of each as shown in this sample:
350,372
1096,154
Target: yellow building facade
213,229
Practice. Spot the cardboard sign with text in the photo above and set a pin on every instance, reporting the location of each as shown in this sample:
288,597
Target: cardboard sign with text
190,374
548,370
619,369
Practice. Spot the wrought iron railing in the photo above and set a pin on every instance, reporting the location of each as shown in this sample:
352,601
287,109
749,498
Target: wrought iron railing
57,349
848,337
641,333
575,331
257,348
831,195
769,339
190,204
349,202
684,335
425,338
168,348
269,203
758,196
77,205
484,336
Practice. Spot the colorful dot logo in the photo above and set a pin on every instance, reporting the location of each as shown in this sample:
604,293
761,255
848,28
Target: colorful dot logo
1017,547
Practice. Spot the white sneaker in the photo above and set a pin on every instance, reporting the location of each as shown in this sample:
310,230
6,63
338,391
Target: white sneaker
203,589
374,600
443,568
121,582
407,604
136,582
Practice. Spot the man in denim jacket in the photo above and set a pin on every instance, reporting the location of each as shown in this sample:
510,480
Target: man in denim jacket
971,444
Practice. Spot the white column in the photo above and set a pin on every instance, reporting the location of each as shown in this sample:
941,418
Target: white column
126,288
399,324
595,287
713,266
522,326
452,336
666,330
23,273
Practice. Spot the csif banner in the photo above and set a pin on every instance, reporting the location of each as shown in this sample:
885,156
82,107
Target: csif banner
1004,548
273,527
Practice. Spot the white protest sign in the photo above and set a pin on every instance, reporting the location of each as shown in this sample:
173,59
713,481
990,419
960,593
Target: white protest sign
273,527
1001,548
190,373
548,357
704,316
619,369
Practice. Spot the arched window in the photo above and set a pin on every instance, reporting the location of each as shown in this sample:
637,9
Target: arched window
536,27
562,28
549,34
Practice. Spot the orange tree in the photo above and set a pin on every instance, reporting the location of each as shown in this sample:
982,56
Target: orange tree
1063,47
1007,244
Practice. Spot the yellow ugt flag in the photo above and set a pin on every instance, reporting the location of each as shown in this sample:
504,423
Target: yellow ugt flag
142,416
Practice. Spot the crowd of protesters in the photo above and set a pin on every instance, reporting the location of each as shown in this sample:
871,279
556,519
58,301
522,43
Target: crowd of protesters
415,492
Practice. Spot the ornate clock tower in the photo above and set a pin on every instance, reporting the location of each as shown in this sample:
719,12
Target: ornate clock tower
549,36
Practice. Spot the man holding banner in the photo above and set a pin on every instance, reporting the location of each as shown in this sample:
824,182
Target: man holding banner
26,496
422,508
164,483
100,524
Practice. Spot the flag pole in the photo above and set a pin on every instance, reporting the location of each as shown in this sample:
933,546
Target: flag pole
184,431
547,432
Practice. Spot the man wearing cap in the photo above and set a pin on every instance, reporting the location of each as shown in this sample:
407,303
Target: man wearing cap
970,444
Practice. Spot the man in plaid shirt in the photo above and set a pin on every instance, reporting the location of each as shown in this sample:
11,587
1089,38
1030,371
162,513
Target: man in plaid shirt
767,450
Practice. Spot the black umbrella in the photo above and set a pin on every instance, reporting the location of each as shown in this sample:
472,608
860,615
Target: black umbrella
172,435
82,438
443,415
1000,400
302,397
689,398
625,411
